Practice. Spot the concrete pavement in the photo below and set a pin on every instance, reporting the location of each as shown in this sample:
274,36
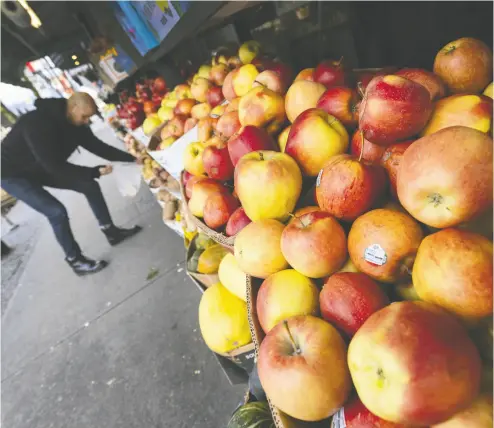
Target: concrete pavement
113,349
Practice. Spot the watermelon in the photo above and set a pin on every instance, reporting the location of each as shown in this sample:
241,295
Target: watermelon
252,415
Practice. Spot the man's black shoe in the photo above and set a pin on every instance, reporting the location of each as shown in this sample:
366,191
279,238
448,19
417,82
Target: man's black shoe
83,266
115,235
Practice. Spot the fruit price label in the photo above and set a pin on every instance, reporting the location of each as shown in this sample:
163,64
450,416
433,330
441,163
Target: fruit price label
339,419
375,255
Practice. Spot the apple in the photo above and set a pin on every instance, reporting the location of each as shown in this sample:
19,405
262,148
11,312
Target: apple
233,105
272,80
193,158
205,128
186,176
356,415
237,221
393,109
218,110
244,78
193,179
431,82
488,92
314,244
159,85
330,73
283,138
342,103
217,163
199,89
228,124
214,96
184,106
167,142
182,91
227,88
248,51
283,295
189,124
204,71
314,138
263,108
372,152
383,243
248,139
302,368
305,74
165,113
347,188
201,191
349,266
218,209
149,108
446,178
234,62
257,248
413,363
218,74
348,299
200,111
473,111
283,70
268,184
176,125
453,269
301,96
477,415
391,161
151,124
465,65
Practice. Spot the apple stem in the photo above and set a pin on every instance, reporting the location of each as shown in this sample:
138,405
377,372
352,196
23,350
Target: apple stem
339,62
362,148
296,349
297,218
360,89
261,156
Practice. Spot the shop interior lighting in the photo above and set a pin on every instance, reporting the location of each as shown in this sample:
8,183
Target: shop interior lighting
77,63
35,21
74,57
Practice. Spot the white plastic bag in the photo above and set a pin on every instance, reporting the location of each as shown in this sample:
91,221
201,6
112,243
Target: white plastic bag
128,178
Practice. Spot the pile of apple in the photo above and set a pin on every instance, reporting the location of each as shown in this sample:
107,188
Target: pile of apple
392,218
141,107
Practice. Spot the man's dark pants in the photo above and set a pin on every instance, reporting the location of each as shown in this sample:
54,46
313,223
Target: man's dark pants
32,192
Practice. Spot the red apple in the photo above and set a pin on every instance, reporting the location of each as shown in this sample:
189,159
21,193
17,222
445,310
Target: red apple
372,152
149,107
249,139
184,107
186,176
302,368
227,88
177,125
393,109
190,183
446,178
413,363
218,209
363,77
342,103
314,244
349,298
217,163
465,65
271,80
330,73
431,82
284,71
391,160
218,74
159,85
347,188
214,96
228,124
237,221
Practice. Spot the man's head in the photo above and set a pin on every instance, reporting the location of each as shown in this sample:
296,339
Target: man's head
80,108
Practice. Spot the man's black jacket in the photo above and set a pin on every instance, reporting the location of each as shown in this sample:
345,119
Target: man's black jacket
41,142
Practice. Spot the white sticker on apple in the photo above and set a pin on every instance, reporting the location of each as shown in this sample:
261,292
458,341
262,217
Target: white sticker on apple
375,255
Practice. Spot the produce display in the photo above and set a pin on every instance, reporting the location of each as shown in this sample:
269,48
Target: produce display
353,201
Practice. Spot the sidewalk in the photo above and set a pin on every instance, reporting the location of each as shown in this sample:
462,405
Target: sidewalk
113,349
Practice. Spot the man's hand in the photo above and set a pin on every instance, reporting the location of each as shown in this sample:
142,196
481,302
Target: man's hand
105,170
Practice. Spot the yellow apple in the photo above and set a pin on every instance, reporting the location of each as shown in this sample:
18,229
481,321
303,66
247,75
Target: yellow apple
232,277
257,248
165,113
193,158
248,51
489,90
301,96
243,79
283,138
268,184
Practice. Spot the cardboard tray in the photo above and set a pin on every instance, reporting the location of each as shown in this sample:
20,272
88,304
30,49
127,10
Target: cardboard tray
281,420
220,238
242,357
